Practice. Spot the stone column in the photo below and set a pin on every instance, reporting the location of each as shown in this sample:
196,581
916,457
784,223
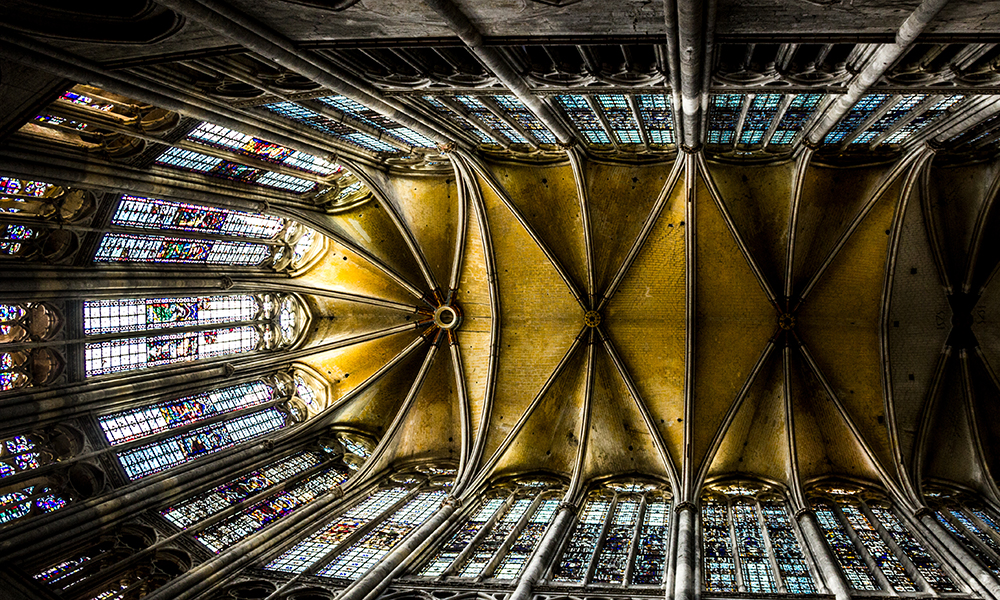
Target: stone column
826,562
966,562
545,552
685,582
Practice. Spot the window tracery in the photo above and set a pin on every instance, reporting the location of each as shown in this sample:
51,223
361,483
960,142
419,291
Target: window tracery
189,160
28,323
241,143
620,118
724,111
749,542
863,109
798,113
152,213
374,119
973,525
324,124
656,113
869,539
586,122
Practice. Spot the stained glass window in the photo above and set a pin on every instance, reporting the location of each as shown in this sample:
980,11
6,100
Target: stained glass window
970,546
62,570
759,116
719,567
12,238
96,104
654,110
966,522
177,450
620,118
724,112
798,113
302,246
855,117
236,527
520,551
491,543
612,562
447,554
17,504
319,122
354,447
147,213
137,423
787,552
899,110
921,559
190,160
584,119
755,566
651,553
53,120
576,558
17,454
859,577
241,143
149,351
361,556
14,191
458,120
120,247
516,110
879,550
305,392
143,314
374,119
481,112
922,120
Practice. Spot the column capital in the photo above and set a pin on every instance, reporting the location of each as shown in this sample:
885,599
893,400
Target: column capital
686,505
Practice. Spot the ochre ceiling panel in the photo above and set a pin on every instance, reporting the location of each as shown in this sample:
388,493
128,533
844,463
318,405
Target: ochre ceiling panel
429,206
918,325
758,198
547,198
734,321
550,438
335,319
619,441
824,444
344,271
370,228
646,321
830,200
346,368
756,443
539,319
473,299
620,197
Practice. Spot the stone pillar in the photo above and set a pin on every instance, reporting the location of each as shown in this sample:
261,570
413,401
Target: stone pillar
826,562
685,582
545,552
966,562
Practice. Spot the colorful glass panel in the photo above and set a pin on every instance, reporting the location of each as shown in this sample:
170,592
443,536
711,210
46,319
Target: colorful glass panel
481,112
143,314
458,120
855,117
612,562
204,505
759,116
62,570
491,543
787,552
324,124
18,454
361,556
150,351
982,535
13,190
450,550
755,565
854,568
921,559
304,554
620,118
970,546
150,213
723,114
879,550
719,567
655,112
370,117
177,450
796,115
651,554
80,99
586,122
14,505
136,423
520,551
241,143
576,558
120,247
354,447
922,120
517,111
899,110
190,160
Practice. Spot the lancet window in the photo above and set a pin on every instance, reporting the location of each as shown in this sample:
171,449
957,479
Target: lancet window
324,124
163,435
150,213
478,109
900,109
374,119
760,113
583,117
618,537
458,120
23,365
189,160
724,112
975,526
856,117
347,547
873,546
655,112
517,111
241,143
749,543
918,122
798,113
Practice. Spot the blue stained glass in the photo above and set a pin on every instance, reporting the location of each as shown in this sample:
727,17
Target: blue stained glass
921,559
516,110
6,470
27,461
620,118
458,119
855,117
719,568
10,312
922,120
491,543
754,562
481,112
356,560
143,314
879,550
310,550
759,116
787,552
897,112
14,505
970,546
855,570
576,558
62,570
150,351
655,112
370,117
520,551
969,525
463,537
217,167
164,454
49,502
612,562
324,124
724,112
650,557
119,247
75,98
583,118
149,213
798,113
19,444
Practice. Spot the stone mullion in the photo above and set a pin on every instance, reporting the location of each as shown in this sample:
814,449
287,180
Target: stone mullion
869,560
918,110
908,566
636,539
601,539
470,548
969,114
741,121
871,120
508,541
460,109
765,534
605,124
825,561
633,104
501,114
539,565
414,103
734,548
956,555
786,101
